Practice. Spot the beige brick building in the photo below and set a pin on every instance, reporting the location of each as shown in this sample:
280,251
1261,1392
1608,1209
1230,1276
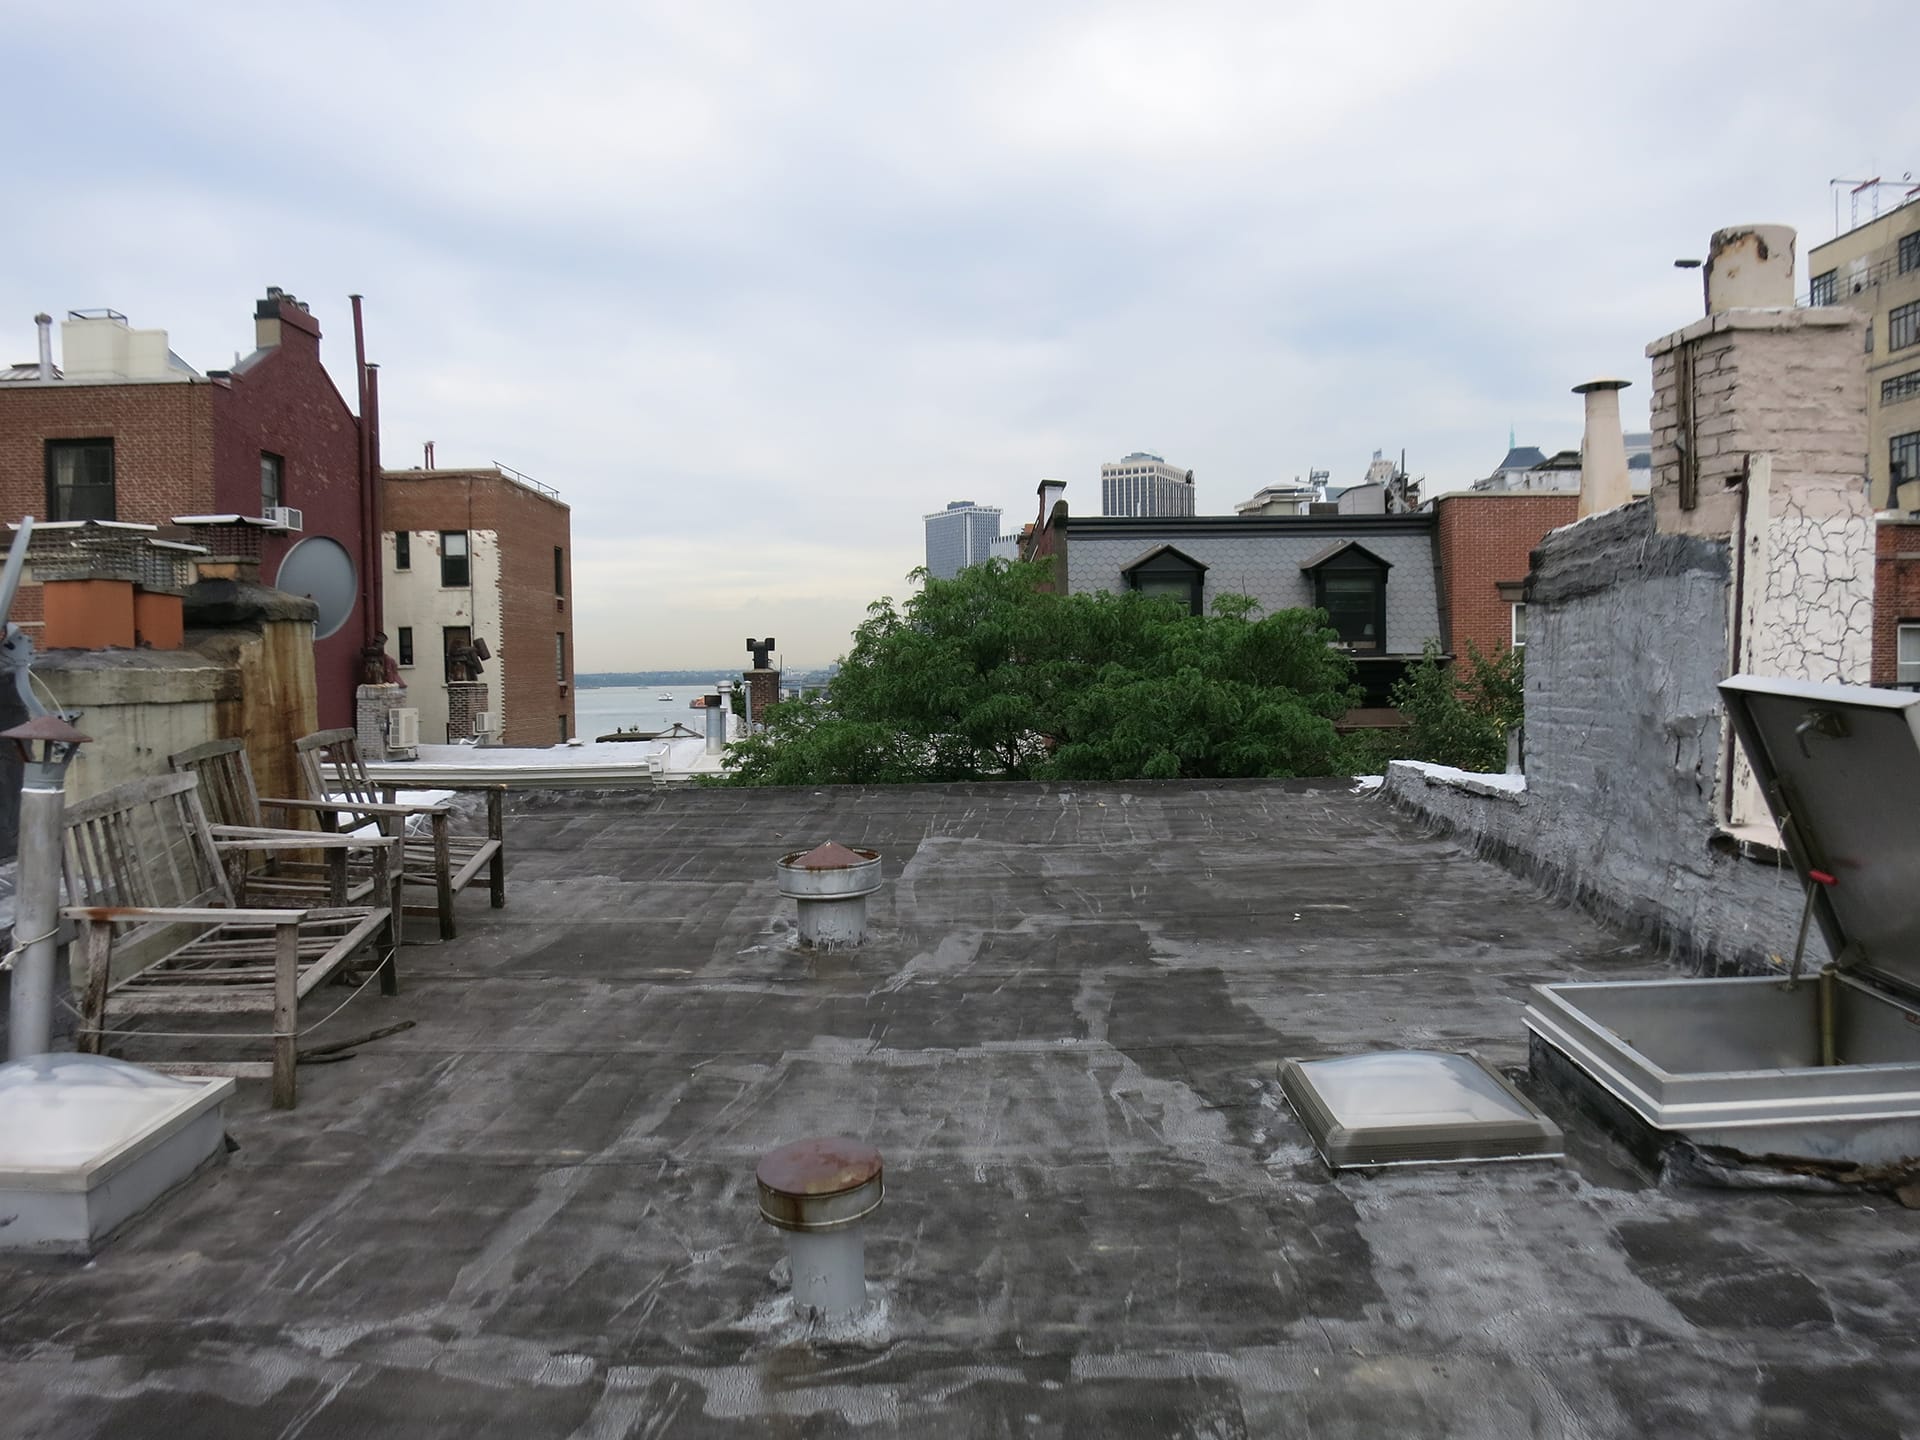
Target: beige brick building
1875,269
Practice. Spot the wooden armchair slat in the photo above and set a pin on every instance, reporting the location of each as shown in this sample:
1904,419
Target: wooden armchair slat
333,773
151,894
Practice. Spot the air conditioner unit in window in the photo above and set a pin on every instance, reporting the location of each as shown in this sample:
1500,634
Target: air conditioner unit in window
404,730
483,726
284,517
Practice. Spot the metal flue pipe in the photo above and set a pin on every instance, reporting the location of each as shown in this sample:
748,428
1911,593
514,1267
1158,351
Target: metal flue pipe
818,1193
36,915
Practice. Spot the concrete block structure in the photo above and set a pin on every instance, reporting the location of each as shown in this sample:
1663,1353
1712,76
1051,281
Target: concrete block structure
127,430
475,555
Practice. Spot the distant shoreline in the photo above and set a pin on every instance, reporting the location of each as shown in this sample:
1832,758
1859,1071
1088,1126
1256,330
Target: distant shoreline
612,679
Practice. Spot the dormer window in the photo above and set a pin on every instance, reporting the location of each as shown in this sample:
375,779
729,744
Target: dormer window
1164,570
1350,584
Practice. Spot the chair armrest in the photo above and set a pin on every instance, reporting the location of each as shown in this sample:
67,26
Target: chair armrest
184,914
357,807
248,837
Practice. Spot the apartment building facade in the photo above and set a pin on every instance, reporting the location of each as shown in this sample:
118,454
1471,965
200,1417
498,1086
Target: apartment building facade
1142,485
1875,268
480,560
122,428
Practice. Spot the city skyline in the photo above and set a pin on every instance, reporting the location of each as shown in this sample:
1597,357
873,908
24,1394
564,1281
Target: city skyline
723,290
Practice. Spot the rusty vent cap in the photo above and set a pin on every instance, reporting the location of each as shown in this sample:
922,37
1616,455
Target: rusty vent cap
832,856
819,1183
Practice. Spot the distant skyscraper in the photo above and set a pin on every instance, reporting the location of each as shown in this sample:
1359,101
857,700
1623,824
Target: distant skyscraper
1144,484
960,535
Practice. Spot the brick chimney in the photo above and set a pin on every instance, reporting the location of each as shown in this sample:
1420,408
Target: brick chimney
280,315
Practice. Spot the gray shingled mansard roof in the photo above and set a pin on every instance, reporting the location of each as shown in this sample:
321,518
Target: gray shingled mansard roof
533,1214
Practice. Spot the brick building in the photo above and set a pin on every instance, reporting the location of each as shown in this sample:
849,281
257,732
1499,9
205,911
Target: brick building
472,556
124,429
1486,541
1896,601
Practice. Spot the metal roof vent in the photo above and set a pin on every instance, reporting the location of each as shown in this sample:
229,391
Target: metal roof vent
830,883
818,1194
1415,1107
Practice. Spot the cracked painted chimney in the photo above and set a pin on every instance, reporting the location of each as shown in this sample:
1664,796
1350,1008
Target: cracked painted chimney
1749,267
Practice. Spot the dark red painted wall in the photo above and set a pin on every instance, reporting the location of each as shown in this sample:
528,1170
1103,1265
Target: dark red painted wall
286,404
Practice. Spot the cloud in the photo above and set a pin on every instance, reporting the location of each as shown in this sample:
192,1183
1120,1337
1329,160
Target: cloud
756,286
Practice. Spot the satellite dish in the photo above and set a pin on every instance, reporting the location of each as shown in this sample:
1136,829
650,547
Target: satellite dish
321,570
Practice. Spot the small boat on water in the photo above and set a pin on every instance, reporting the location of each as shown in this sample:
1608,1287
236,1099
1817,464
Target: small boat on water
663,695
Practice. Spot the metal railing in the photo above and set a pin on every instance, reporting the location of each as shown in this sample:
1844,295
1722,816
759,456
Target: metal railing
1848,284
527,480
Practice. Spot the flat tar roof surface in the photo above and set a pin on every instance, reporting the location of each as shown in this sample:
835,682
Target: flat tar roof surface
534,1213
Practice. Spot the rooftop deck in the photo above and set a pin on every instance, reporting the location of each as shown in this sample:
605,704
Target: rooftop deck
534,1214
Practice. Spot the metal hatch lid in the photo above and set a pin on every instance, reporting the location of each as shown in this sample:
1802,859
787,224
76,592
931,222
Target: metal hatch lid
1840,767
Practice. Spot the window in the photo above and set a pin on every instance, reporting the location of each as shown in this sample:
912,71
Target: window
80,480
1903,459
273,492
1820,288
560,656
559,571
1909,655
1350,584
1910,252
458,640
1868,343
1166,571
403,549
1903,325
564,737
1900,387
453,559
1520,626
406,645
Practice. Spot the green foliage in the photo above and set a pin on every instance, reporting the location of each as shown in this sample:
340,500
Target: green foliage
1455,718
987,677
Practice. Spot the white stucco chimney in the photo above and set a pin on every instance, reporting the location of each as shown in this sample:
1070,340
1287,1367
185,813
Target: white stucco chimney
45,322
1603,450
1750,267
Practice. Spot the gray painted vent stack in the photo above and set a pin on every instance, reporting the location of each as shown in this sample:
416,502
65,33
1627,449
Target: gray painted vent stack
830,884
818,1194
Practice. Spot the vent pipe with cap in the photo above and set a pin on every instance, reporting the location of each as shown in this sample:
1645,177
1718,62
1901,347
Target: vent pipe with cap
1604,483
830,885
45,322
716,718
818,1194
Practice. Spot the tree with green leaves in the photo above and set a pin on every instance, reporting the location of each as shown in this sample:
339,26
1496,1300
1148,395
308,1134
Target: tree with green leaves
1457,716
988,676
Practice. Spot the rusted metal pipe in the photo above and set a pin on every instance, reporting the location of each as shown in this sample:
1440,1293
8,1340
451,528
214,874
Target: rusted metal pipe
1827,1000
818,1193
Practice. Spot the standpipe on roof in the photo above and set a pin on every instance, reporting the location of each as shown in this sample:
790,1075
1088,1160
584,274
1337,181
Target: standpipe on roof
818,1193
830,884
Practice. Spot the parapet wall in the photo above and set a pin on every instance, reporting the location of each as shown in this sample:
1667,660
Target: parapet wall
1628,631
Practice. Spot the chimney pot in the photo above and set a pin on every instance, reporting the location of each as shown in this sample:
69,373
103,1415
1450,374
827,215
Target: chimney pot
45,323
1749,267
1604,483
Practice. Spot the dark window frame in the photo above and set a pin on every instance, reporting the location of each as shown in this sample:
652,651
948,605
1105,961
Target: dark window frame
1821,289
403,550
448,644
405,635
275,465
1900,387
1910,252
1355,562
559,657
1903,461
1903,320
565,733
60,498
1165,569
452,566
560,571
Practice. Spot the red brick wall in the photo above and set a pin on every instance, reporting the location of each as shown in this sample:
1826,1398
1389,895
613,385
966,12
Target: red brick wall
529,525
1896,592
286,403
1484,540
163,448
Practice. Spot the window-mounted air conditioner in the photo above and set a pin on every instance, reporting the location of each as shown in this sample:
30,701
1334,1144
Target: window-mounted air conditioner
284,517
405,729
483,722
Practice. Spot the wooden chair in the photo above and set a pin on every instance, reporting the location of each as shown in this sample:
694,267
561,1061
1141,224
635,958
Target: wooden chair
337,781
150,894
236,809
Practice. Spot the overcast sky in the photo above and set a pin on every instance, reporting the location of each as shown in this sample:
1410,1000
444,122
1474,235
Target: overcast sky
755,286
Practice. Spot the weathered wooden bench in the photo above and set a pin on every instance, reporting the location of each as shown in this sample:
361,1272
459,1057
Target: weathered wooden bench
150,894
235,807
336,777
